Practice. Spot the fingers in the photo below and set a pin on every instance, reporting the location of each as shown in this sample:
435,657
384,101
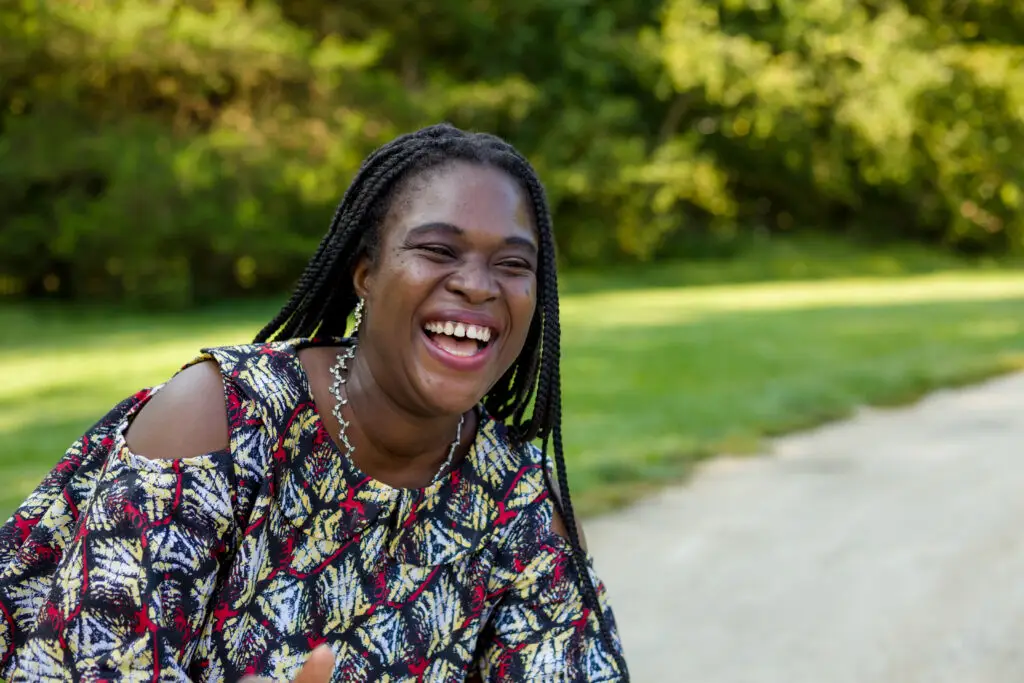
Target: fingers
318,667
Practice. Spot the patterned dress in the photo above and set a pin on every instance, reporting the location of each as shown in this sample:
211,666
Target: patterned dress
121,568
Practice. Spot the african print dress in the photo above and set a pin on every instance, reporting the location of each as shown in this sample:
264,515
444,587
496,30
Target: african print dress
121,568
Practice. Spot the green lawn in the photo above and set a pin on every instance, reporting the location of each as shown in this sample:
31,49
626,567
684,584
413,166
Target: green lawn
655,377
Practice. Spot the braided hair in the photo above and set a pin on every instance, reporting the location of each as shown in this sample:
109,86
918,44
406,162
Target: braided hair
325,296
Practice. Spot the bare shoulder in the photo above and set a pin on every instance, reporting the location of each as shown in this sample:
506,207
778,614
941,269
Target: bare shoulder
557,523
186,418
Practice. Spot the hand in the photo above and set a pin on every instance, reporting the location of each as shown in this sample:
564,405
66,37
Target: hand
318,668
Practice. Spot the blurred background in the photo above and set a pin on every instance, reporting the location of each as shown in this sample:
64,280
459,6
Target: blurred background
768,212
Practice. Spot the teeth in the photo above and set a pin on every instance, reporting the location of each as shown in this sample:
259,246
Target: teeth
479,333
457,329
461,354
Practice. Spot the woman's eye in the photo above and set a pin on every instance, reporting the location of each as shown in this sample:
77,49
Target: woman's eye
516,264
438,250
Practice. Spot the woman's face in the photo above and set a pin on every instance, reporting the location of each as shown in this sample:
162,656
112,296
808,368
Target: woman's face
452,292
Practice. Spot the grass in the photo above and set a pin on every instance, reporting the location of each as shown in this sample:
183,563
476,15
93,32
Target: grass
656,377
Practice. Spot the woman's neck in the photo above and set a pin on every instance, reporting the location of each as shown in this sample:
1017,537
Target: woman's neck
391,443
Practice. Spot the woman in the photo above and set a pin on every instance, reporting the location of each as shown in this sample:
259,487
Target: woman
373,499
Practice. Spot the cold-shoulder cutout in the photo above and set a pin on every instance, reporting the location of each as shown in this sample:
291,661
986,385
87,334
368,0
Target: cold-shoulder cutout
186,418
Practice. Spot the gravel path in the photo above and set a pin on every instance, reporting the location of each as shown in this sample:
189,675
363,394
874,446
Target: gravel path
885,549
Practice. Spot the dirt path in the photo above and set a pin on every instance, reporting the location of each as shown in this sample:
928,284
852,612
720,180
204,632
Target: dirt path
885,549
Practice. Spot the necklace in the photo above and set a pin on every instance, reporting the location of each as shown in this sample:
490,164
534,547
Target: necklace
337,370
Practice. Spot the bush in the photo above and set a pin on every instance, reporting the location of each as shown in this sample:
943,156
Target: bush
174,152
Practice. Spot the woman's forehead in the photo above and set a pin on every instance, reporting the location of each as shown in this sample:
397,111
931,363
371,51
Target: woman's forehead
466,195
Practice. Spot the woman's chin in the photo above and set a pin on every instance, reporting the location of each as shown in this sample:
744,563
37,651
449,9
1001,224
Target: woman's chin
455,403
451,390
444,396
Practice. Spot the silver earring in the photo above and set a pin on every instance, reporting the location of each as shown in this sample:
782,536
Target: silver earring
358,315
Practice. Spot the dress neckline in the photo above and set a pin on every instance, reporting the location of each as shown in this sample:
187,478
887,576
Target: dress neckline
358,478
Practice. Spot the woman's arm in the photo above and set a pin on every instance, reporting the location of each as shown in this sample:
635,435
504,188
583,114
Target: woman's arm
131,591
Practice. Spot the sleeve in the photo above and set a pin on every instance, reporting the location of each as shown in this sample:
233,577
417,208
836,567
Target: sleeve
541,629
134,581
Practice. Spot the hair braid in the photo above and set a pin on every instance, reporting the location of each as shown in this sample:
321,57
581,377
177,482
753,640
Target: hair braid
303,314
564,502
324,297
283,324
549,406
340,298
280,321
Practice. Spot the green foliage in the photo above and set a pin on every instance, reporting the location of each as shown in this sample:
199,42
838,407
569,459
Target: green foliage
873,111
173,151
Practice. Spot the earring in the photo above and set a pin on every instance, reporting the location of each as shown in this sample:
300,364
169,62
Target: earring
358,315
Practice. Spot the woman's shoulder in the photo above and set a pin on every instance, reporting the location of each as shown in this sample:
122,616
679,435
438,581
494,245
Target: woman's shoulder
190,414
187,417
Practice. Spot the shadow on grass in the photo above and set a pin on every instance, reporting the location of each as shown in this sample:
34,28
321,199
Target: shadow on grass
777,260
28,327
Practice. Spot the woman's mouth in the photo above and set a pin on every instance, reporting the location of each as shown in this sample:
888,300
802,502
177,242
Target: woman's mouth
458,339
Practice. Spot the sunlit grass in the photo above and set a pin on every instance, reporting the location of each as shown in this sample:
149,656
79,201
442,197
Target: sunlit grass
656,306
654,377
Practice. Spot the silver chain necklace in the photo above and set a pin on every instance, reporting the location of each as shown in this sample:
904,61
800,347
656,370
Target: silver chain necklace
339,369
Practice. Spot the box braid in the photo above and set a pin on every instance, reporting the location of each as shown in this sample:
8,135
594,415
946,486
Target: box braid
324,298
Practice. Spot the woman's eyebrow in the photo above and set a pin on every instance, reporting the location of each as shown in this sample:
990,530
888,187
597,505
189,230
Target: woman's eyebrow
442,227
437,226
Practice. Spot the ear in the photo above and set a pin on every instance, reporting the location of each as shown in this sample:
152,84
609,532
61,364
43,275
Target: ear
362,276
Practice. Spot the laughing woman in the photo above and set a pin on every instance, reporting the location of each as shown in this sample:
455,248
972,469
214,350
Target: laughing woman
374,499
